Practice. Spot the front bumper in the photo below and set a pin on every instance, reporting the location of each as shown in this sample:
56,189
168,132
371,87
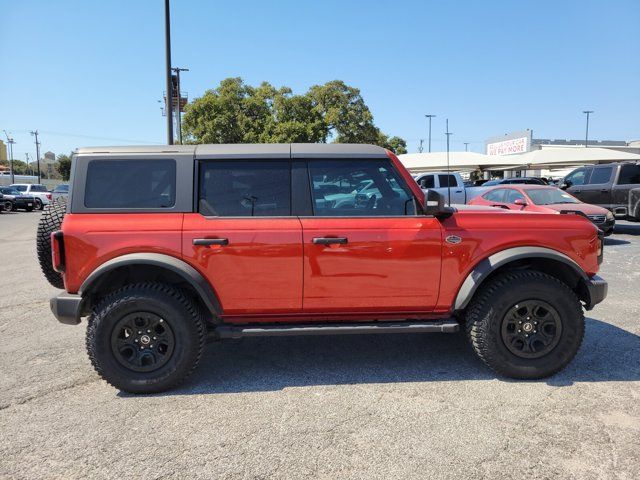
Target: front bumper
606,226
66,307
597,287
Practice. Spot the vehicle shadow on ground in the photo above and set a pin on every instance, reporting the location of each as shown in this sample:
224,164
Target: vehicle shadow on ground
615,241
627,229
608,353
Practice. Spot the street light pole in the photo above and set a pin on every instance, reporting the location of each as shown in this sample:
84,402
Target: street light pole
420,147
586,136
35,134
466,146
169,102
429,117
10,142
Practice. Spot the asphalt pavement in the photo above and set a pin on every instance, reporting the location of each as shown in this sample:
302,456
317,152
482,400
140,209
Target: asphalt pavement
370,407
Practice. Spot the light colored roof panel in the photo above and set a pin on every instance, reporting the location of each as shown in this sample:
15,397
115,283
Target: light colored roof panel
343,150
152,149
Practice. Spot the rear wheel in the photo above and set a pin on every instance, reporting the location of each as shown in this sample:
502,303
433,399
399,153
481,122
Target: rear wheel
525,324
50,221
145,338
8,206
39,204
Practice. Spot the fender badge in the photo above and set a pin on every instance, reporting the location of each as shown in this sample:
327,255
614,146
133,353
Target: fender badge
453,239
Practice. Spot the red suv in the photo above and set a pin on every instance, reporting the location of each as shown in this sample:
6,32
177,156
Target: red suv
161,247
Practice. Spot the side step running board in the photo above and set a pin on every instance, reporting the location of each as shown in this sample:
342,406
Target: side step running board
279,330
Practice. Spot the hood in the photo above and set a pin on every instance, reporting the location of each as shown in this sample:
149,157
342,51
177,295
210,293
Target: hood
585,208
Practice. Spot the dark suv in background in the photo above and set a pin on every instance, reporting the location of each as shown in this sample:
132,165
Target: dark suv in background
615,186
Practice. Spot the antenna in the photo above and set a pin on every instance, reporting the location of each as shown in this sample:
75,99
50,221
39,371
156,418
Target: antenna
448,134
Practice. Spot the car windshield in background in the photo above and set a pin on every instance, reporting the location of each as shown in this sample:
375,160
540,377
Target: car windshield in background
550,196
62,189
20,188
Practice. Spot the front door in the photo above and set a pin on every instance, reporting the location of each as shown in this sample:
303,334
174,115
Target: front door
365,248
597,190
243,237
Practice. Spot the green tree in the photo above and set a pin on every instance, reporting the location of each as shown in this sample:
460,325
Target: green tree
63,166
235,112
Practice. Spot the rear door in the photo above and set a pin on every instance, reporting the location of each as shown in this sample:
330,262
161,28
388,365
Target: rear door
626,189
449,186
372,253
243,236
597,190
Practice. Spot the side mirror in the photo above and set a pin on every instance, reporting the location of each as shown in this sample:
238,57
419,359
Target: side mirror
434,204
564,185
520,201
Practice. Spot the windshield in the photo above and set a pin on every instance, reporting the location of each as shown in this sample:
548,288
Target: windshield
549,196
21,188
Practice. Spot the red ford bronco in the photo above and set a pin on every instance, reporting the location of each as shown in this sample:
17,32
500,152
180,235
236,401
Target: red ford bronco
161,247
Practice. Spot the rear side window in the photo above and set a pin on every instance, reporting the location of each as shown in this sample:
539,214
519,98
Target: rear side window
601,175
38,188
447,181
245,188
495,195
629,174
130,184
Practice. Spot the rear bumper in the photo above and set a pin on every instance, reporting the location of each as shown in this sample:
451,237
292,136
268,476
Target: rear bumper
598,288
66,307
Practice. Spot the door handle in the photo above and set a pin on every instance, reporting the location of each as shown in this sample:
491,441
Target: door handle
330,241
458,191
604,190
207,242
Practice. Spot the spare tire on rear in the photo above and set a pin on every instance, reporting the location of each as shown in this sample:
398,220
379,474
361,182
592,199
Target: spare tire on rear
50,221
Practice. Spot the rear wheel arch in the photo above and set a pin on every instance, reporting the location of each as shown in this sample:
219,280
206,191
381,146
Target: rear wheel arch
145,267
540,259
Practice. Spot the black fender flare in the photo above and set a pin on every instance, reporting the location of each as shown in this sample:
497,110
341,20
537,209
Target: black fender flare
488,265
167,262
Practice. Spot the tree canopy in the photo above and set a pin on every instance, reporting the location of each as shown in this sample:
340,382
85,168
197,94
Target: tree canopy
63,166
234,112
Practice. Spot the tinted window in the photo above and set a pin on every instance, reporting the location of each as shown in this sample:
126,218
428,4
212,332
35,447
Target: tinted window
245,188
130,184
38,188
62,188
366,188
629,174
20,188
601,175
513,195
495,195
427,182
447,181
576,178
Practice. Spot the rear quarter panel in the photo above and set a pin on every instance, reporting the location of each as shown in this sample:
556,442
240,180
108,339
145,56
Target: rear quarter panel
94,238
486,233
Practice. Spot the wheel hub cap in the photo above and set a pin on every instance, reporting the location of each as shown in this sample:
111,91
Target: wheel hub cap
531,329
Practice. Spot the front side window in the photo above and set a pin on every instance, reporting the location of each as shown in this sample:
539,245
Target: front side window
576,178
130,184
427,182
239,188
345,188
629,175
513,195
601,175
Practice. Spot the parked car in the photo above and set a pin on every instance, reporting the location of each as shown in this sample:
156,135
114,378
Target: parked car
15,200
614,186
2,200
161,248
60,192
448,184
545,199
517,180
42,195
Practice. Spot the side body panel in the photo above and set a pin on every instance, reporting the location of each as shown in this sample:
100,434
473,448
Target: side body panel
259,270
90,239
387,265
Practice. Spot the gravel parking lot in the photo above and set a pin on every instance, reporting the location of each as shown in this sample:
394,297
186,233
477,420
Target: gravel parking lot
400,406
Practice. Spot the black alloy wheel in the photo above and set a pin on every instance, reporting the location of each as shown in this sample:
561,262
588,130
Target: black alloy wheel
531,329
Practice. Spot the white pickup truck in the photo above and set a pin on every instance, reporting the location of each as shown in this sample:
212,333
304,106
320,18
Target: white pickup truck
448,183
40,192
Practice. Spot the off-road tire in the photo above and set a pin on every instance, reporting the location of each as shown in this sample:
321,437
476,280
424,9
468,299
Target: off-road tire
171,304
50,221
490,305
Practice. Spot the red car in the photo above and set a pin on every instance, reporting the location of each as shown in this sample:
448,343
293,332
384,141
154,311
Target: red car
544,199
160,247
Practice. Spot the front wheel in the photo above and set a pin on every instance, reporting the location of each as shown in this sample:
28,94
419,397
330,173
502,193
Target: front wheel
525,324
145,337
8,206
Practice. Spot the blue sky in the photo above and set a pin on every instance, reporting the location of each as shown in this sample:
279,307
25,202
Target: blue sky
91,72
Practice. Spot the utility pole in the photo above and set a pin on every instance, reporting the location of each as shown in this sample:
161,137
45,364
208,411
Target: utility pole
10,142
448,133
420,147
35,134
179,100
29,169
169,97
586,136
429,117
466,146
